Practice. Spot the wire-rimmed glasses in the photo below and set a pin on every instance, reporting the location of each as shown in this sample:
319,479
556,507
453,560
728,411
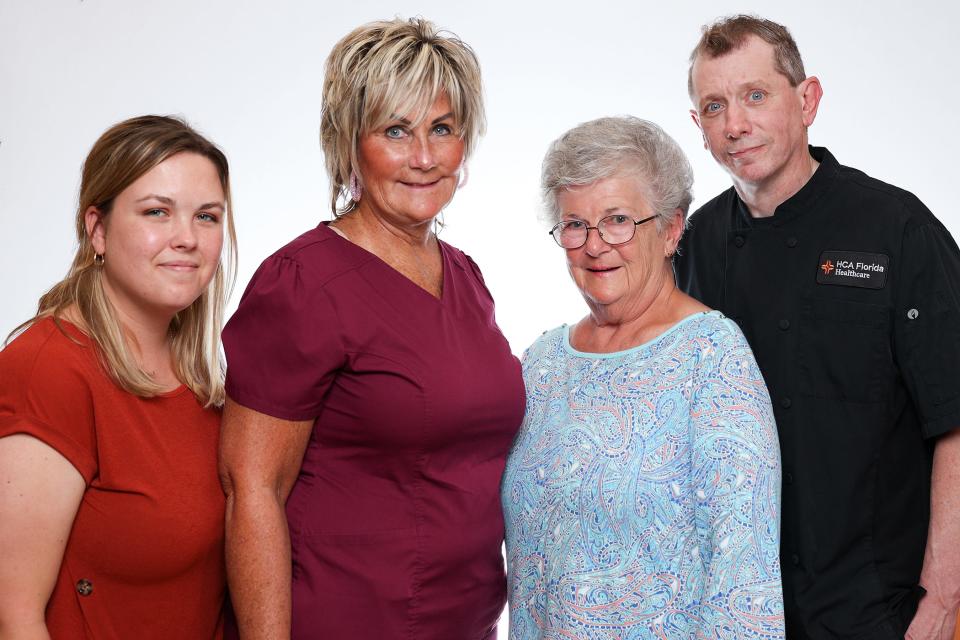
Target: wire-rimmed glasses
614,229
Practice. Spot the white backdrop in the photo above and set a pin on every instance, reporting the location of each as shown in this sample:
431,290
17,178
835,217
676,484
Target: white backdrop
248,74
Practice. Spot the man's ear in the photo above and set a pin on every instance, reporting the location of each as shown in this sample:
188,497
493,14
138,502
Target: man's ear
810,93
93,220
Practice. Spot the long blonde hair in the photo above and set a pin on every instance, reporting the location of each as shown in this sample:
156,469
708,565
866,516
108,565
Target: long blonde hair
120,156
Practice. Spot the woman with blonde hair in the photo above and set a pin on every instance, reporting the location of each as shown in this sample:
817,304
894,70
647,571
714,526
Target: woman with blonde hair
372,398
110,508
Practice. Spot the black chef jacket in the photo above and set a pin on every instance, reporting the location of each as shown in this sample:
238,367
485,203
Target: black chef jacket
850,297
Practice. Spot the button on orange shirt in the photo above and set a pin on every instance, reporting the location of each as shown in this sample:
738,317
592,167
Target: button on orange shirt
145,555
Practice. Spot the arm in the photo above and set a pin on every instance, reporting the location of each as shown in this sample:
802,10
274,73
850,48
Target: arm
937,614
260,457
736,484
40,492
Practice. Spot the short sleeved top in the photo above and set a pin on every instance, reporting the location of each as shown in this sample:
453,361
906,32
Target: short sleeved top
145,554
641,497
395,524
850,297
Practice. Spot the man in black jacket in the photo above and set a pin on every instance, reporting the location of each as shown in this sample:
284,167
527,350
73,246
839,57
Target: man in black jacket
848,290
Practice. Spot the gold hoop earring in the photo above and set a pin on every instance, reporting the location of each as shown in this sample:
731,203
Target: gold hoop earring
98,259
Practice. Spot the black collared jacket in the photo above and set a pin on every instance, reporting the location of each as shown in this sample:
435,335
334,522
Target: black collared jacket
850,297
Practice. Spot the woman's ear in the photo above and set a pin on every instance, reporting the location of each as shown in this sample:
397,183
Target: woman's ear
672,233
93,220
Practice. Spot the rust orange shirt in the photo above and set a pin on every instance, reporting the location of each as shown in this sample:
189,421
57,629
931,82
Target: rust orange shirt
145,555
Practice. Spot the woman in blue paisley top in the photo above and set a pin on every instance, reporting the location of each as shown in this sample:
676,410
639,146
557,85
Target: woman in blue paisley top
642,494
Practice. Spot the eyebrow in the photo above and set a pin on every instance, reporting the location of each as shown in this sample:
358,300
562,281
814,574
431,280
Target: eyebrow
758,84
170,201
436,120
153,196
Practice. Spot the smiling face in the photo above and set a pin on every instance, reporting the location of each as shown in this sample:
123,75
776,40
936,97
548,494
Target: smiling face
409,173
161,239
624,275
753,122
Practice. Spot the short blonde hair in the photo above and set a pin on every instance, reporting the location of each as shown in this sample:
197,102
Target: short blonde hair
119,157
389,68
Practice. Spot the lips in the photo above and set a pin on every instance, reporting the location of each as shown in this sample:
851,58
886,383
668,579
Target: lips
180,265
601,270
421,185
742,153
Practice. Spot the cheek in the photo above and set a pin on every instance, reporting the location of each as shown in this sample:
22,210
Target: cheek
452,154
132,244
378,162
212,245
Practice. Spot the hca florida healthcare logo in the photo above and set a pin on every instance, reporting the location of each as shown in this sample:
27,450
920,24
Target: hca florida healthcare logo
853,269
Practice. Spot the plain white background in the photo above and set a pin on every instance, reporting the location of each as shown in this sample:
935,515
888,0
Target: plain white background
248,74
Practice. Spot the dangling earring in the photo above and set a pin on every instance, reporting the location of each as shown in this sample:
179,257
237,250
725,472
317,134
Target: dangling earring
98,259
438,223
356,190
464,176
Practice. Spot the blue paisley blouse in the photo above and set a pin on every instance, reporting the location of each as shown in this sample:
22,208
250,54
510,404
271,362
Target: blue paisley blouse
642,495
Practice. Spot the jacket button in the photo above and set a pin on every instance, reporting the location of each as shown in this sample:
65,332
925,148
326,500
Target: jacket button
84,587
791,242
739,241
786,403
784,324
788,478
795,560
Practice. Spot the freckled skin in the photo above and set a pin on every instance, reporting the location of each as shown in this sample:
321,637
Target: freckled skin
637,266
160,255
410,173
753,122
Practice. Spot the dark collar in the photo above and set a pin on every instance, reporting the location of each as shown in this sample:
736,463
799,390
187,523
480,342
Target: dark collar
800,202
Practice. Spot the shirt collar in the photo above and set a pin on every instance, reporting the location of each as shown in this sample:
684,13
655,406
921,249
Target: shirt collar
800,202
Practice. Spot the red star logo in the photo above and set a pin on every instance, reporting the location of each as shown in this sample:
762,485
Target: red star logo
827,267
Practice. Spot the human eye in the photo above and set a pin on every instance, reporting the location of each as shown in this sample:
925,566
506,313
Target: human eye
757,95
206,216
395,132
442,129
573,225
617,219
154,213
712,107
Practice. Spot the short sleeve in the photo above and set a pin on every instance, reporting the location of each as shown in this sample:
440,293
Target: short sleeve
927,325
45,393
284,343
736,483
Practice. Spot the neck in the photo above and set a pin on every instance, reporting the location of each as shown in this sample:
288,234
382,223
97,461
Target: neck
763,198
364,226
148,333
625,324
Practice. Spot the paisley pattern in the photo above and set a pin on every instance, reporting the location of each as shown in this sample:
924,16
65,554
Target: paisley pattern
642,494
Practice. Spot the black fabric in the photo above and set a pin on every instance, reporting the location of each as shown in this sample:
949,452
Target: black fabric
862,380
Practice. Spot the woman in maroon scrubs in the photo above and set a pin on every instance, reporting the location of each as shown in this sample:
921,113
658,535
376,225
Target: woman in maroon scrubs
372,398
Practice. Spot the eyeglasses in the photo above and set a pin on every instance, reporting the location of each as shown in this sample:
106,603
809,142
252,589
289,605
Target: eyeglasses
615,229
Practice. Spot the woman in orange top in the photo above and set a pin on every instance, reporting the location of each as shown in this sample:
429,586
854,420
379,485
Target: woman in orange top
110,507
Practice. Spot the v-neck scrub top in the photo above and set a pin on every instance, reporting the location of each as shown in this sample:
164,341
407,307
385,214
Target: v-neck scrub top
395,523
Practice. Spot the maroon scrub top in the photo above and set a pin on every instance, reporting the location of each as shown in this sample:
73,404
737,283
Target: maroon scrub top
395,522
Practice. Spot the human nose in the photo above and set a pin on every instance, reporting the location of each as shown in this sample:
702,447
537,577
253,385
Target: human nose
737,122
595,245
422,155
184,235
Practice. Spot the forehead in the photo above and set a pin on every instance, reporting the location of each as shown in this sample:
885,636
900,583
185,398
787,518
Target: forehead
182,173
414,108
605,195
753,61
